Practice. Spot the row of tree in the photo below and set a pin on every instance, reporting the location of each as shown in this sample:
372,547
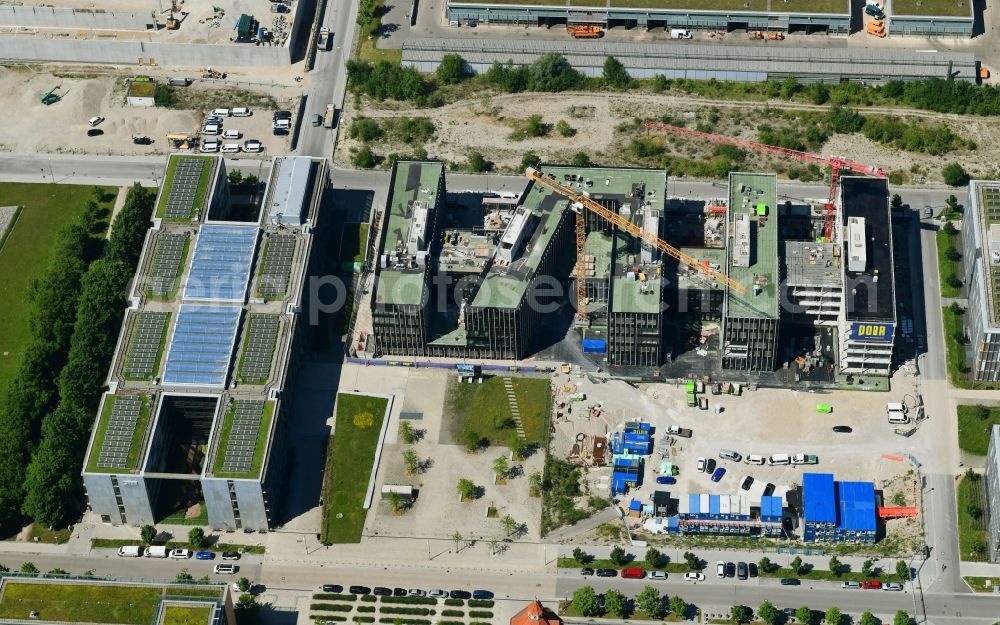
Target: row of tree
49,408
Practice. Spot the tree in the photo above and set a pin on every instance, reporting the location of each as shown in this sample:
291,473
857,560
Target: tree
184,576
803,615
956,283
406,432
617,556
530,159
29,568
196,537
949,228
765,564
614,73
243,584
451,70
835,565
650,602
796,565
952,254
983,413
789,87
768,613
508,524
366,12
246,607
896,203
581,556
867,618
692,560
58,571
955,175
535,127
678,606
365,158
466,489
473,441
652,557
580,159
128,231
974,509
552,72
901,618
585,601
740,614
478,163
954,208
902,570
395,503
615,603
956,309
833,616
411,461
501,467
148,534
564,129
535,483
867,566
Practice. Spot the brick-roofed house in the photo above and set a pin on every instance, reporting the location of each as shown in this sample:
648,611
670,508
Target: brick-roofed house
535,614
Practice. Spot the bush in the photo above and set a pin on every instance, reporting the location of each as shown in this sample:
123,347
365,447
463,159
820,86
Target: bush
366,608
369,598
451,70
955,175
411,600
452,622
614,73
385,80
453,602
329,596
330,607
452,613
405,621
478,163
365,158
480,603
580,159
480,614
410,611
363,619
365,129
530,159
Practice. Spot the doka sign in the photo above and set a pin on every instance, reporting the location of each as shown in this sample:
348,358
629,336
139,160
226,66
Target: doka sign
875,332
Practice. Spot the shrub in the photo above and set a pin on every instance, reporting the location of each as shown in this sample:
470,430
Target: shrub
329,596
329,607
452,613
480,603
410,611
480,614
405,621
366,608
411,600
363,619
452,622
369,598
365,129
365,158
955,175
453,602
451,70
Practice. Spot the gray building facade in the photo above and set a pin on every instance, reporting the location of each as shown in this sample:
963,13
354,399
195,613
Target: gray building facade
981,262
993,495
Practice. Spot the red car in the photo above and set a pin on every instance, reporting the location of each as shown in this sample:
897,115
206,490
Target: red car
633,573
872,584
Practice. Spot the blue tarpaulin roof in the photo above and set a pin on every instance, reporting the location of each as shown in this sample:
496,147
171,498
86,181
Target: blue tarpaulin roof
818,498
713,504
770,507
635,504
694,503
856,503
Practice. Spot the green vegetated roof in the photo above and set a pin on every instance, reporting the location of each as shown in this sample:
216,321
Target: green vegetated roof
120,604
118,434
229,441
927,8
179,614
198,201
414,181
141,89
757,189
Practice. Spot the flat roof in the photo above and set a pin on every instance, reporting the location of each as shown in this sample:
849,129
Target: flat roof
932,8
290,191
818,498
220,268
748,192
201,348
811,263
242,440
119,432
983,214
856,506
692,6
599,247
184,193
468,254
869,294
413,181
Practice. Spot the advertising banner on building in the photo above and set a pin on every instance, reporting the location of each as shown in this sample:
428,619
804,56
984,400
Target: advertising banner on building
872,332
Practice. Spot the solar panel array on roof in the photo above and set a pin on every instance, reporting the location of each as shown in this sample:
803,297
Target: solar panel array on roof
818,498
166,264
184,187
220,268
276,268
119,433
202,345
242,441
258,349
856,501
147,335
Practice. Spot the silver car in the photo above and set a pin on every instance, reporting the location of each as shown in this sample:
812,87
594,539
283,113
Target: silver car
416,592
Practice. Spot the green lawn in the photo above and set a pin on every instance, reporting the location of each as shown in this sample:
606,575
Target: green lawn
259,448
86,603
137,438
349,465
971,531
886,575
200,192
973,432
159,352
955,351
599,563
756,6
26,253
484,409
983,584
186,615
114,543
932,7
947,267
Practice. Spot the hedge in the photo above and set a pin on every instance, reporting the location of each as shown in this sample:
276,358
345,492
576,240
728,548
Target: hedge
323,618
405,621
330,607
454,602
366,608
451,622
480,623
330,596
411,600
411,611
369,598
364,619
475,614
480,603
452,613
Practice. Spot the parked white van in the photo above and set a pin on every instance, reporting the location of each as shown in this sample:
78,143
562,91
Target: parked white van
895,406
241,111
129,551
180,554
754,459
157,552
220,112
229,148
897,418
680,33
777,459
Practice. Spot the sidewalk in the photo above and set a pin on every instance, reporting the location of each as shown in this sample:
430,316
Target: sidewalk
980,569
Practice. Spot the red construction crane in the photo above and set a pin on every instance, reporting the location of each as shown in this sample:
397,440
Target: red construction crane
836,163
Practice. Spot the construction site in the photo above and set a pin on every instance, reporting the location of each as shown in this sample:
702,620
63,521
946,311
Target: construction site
742,288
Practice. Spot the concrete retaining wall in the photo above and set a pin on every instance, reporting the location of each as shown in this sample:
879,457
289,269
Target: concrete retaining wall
129,52
60,17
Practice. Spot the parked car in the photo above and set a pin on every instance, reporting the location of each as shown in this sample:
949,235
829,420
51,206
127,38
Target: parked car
752,569
225,569
204,555
872,584
180,554
790,581
607,573
141,140
842,429
235,555
710,465
360,590
657,575
586,571
741,570
232,133
209,146
768,489
701,465
482,595
692,576
95,120
438,593
730,569
720,568
892,586
337,588
416,592
252,146
729,454
317,119
94,132
851,585
129,551
211,129
718,474
282,115
666,479
460,594
747,482
382,591
214,119
398,592
633,572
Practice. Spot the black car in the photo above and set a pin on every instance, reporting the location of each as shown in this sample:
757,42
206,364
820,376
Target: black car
842,429
768,489
710,466
398,592
730,569
607,572
482,595
586,571
460,594
790,581
333,588
741,570
233,555
747,482
753,569
282,115
381,591
94,132
360,590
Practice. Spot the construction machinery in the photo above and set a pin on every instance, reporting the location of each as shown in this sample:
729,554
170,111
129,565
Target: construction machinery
172,22
208,72
584,31
755,34
180,140
51,97
837,163
581,201
876,28
776,36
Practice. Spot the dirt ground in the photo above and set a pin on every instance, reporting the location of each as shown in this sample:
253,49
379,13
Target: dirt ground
62,127
485,122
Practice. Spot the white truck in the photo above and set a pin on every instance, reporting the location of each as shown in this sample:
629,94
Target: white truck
679,431
330,118
805,459
680,33
323,41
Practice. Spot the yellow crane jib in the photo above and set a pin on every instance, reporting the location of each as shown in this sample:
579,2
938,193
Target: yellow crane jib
579,201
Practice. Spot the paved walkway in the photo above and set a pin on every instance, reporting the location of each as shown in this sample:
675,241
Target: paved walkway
980,569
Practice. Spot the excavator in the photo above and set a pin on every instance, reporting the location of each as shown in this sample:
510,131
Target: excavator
584,31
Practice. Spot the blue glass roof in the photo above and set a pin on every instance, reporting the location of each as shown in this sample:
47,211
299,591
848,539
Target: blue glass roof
202,345
220,269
